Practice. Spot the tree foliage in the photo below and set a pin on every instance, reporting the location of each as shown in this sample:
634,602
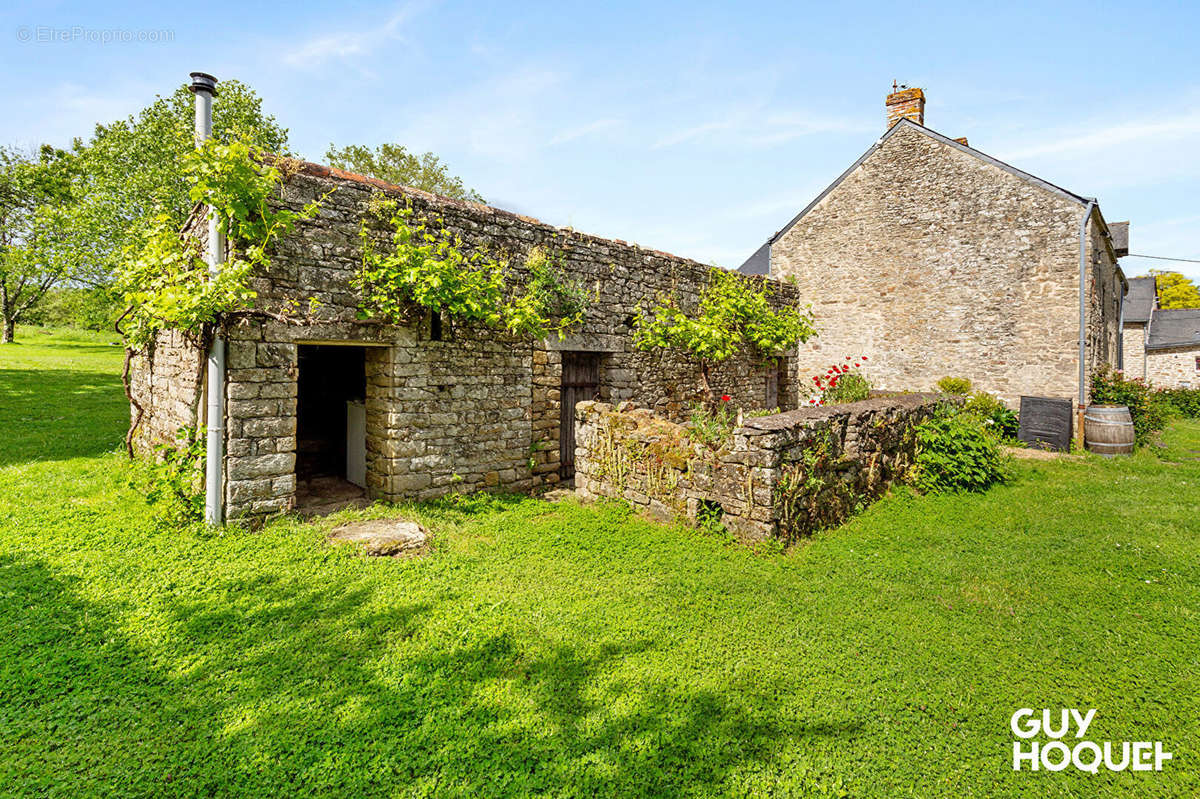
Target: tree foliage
40,229
165,283
1175,290
429,269
395,164
135,172
734,315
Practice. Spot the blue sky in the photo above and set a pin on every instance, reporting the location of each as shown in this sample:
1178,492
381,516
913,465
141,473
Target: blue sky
694,128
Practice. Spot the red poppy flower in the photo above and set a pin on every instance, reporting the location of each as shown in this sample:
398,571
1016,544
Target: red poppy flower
725,398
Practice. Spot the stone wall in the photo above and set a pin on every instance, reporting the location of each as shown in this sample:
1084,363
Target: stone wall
473,408
783,475
1174,367
1133,353
166,382
933,262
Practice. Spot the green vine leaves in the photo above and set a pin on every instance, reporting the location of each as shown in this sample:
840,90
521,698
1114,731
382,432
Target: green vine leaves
165,283
430,268
733,315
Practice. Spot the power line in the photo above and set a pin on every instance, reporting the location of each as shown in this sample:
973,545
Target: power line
1164,258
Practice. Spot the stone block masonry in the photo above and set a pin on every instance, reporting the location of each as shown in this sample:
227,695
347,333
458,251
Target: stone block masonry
934,262
784,475
469,409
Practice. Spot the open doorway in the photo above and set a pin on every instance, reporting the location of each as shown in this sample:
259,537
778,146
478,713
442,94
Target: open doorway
330,427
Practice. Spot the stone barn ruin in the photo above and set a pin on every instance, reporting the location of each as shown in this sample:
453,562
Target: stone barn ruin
331,405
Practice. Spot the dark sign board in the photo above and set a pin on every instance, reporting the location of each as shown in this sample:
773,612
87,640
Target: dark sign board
1046,423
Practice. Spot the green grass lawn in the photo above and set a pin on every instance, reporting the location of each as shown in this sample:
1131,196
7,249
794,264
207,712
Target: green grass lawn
568,650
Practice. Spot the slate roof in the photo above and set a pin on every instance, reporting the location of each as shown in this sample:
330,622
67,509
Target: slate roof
759,263
751,263
1120,238
1176,327
1139,301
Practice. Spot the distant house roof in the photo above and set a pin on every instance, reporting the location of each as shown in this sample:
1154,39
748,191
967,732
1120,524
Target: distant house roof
1176,327
759,263
751,263
1139,300
1120,238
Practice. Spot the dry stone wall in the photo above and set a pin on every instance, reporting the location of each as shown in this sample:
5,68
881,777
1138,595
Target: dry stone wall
784,475
933,262
165,381
473,408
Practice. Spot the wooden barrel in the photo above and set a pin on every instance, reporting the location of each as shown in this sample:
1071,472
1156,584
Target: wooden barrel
1108,430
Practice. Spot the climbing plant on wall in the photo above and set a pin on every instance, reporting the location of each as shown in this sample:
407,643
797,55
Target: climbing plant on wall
427,268
165,284
734,315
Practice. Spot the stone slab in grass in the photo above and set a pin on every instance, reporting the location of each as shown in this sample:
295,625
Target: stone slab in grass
384,537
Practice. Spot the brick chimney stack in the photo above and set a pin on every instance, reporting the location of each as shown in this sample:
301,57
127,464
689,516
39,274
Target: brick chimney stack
905,102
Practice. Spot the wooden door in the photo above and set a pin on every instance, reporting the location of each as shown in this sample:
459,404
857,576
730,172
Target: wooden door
580,382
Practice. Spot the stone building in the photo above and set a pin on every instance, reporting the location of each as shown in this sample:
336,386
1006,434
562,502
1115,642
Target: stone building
934,259
415,411
1157,344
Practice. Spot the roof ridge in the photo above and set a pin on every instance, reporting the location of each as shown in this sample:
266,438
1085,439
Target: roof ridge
942,138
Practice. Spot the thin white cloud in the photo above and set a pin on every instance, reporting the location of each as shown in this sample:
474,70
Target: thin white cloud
750,128
501,118
696,131
599,126
1104,138
780,128
350,45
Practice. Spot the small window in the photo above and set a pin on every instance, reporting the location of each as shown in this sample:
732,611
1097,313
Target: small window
435,326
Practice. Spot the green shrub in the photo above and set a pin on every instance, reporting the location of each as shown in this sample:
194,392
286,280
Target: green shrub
958,386
999,417
1183,402
1147,408
957,452
851,387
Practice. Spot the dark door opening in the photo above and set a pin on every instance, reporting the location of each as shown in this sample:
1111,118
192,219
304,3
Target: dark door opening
580,382
330,420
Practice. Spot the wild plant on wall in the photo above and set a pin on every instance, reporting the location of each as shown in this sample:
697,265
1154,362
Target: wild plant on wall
734,315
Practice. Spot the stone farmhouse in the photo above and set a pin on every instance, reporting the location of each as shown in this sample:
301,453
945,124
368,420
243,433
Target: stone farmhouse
329,406
933,259
1157,344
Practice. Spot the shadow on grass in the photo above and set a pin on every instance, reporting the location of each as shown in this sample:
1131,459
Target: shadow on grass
277,686
54,414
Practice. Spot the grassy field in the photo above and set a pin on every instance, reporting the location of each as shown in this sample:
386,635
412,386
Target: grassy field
565,650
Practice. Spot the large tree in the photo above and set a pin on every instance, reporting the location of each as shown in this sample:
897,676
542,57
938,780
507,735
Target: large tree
133,168
1175,290
395,164
42,233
